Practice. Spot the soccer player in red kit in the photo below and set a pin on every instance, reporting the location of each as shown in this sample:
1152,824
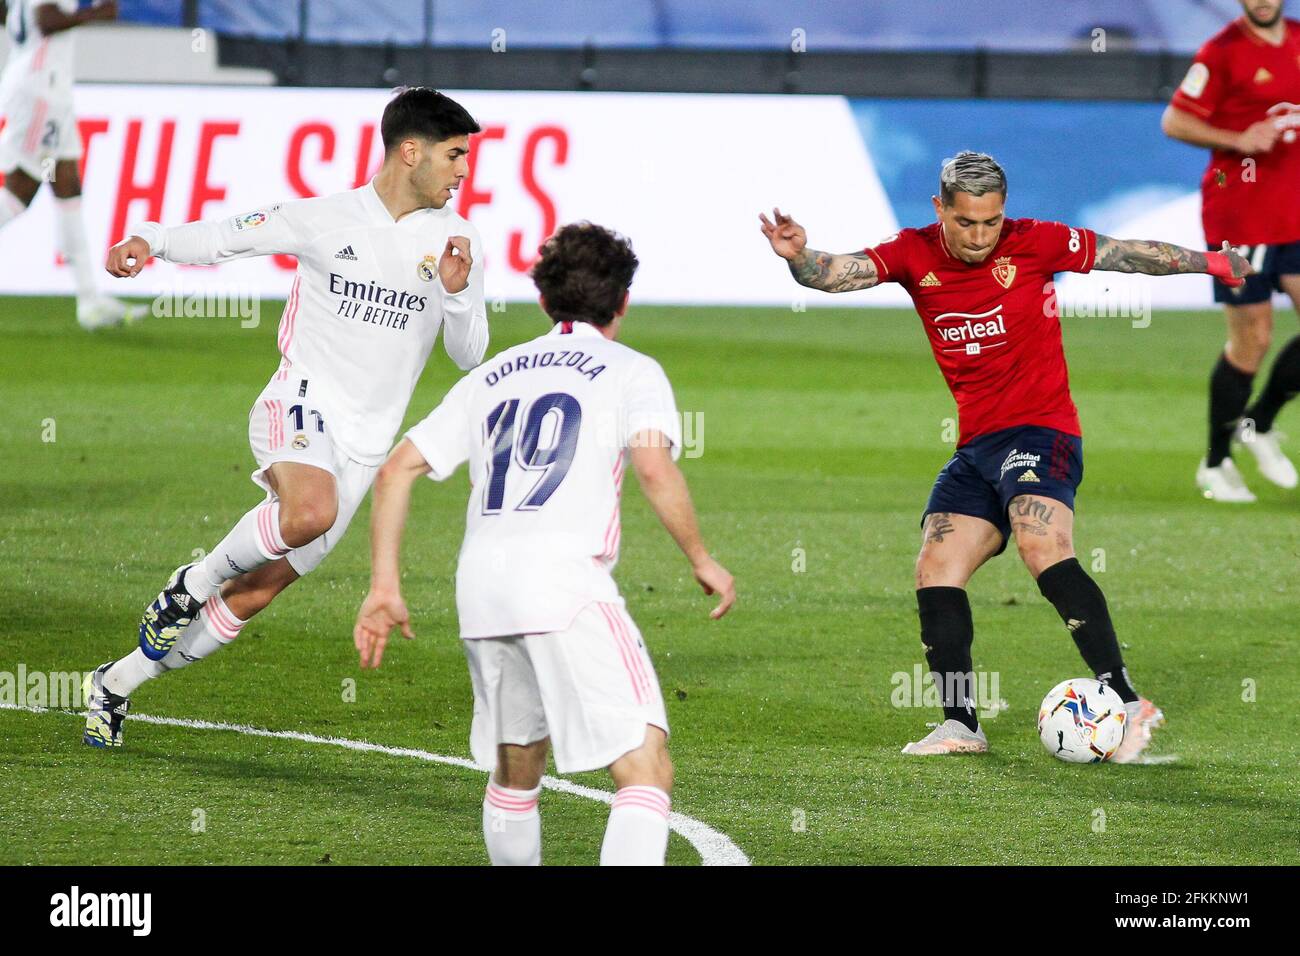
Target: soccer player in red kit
1241,99
982,285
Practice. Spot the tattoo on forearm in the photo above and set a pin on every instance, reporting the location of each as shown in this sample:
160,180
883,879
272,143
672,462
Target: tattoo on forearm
939,525
831,273
1146,256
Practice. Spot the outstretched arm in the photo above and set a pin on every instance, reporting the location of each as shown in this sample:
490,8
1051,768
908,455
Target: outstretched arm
813,268
1154,258
262,232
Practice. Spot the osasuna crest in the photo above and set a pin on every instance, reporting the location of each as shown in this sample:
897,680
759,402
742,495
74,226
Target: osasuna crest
427,268
1004,271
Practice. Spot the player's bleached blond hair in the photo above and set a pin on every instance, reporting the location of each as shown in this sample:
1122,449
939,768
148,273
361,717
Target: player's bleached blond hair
971,172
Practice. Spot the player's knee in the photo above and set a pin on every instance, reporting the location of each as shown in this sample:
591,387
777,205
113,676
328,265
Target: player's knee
647,766
1041,552
306,521
934,571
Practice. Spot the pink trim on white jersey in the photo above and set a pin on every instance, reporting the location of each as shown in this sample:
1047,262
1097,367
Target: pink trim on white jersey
614,530
38,58
33,138
287,321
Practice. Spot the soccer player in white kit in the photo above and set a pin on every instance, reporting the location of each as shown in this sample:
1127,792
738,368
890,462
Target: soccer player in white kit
40,139
380,270
547,428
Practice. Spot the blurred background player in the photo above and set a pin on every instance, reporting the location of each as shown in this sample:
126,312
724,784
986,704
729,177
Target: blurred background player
380,270
1241,99
554,657
982,284
40,140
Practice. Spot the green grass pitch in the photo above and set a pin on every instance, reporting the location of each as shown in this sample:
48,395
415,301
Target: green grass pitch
823,432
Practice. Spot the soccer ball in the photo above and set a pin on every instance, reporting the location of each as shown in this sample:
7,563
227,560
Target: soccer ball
1082,721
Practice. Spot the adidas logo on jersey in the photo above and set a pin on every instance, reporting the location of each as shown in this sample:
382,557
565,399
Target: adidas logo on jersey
346,253
930,281
1028,475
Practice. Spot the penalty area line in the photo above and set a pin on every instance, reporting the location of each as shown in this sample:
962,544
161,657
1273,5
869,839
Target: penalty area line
714,847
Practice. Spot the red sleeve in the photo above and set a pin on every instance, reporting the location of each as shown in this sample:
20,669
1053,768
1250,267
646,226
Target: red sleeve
1063,248
1205,84
891,258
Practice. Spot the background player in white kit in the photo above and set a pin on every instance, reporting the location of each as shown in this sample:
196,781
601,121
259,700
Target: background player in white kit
40,139
547,428
380,269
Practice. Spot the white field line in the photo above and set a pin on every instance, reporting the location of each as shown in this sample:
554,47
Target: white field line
715,848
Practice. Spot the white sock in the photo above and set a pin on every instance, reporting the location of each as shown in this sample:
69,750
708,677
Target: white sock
251,543
75,248
130,672
213,628
512,827
637,832
11,207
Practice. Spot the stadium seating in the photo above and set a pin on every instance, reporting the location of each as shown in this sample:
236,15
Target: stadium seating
1014,25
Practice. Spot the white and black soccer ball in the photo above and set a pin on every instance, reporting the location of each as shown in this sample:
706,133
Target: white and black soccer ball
1082,721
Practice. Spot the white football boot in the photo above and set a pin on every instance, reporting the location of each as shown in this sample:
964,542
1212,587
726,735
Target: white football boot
1273,462
949,737
1223,483
1143,717
102,312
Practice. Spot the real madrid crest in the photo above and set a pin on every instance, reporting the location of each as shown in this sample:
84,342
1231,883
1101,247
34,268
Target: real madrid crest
300,442
1004,271
427,268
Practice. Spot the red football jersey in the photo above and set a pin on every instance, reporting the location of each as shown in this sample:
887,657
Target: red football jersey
1238,79
994,327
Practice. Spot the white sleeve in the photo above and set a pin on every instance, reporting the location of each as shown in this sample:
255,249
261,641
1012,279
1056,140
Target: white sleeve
648,405
261,232
443,437
464,314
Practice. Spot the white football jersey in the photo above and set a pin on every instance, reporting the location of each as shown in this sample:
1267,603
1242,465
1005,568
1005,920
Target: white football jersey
366,302
544,426
38,62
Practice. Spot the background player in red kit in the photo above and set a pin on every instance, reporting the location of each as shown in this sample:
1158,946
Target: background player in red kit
1241,98
982,284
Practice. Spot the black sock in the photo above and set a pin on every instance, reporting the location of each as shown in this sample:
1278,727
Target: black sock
1082,607
1229,395
1283,385
947,633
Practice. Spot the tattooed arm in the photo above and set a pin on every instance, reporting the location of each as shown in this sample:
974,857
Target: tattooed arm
832,273
1162,258
813,268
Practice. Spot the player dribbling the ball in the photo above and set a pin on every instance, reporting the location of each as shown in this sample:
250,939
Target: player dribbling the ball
982,284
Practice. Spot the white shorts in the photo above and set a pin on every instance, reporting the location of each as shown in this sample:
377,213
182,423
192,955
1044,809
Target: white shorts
285,424
37,128
591,688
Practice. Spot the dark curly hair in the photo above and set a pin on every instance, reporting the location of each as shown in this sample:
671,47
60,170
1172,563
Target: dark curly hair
584,273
